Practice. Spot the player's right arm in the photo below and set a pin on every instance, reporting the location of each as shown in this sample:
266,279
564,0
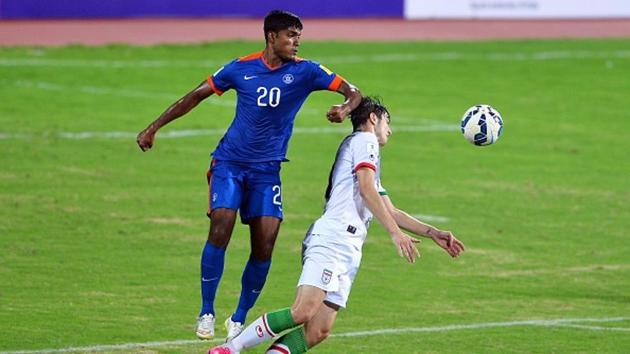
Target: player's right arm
182,106
442,238
338,112
405,244
324,79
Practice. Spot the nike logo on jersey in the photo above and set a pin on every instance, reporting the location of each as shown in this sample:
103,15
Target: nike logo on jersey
207,280
249,77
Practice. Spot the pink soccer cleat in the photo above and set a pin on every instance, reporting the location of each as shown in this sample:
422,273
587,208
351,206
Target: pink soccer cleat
222,349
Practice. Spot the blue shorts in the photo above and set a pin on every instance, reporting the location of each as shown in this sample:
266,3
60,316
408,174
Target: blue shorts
254,188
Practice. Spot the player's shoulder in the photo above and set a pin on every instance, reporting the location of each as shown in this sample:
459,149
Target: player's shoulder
249,57
310,63
363,141
239,63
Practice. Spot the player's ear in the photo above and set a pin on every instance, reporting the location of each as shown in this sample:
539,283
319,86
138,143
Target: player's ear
373,118
271,37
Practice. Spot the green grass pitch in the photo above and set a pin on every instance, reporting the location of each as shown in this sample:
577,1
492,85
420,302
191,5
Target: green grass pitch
100,243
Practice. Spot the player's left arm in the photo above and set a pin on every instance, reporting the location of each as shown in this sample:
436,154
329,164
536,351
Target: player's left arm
444,239
339,112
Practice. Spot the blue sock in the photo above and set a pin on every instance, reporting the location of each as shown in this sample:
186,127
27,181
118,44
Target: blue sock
212,260
253,280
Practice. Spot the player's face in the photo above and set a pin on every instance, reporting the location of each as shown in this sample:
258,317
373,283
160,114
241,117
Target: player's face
382,129
286,42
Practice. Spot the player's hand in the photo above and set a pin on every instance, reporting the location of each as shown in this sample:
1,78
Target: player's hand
337,113
448,242
145,139
406,246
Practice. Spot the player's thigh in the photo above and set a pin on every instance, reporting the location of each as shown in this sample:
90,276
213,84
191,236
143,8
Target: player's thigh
318,328
307,301
225,186
263,195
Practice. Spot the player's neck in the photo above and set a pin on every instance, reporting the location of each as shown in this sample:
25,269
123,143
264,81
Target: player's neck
271,59
366,128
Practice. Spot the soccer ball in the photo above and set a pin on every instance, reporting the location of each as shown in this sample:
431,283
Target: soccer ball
482,125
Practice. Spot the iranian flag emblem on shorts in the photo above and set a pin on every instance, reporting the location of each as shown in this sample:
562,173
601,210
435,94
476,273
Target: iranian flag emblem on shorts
326,276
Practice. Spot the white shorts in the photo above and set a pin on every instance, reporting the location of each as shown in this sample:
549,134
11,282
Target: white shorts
330,266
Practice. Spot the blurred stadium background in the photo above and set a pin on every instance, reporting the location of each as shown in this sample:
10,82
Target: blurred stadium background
100,243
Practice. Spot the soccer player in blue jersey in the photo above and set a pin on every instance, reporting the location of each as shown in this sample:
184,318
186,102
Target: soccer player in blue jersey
244,174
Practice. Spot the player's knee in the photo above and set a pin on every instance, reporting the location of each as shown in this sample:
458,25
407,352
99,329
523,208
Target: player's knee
263,252
218,237
220,232
315,336
321,335
222,223
302,313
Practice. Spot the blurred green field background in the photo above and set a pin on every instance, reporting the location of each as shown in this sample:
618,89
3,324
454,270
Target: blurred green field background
100,243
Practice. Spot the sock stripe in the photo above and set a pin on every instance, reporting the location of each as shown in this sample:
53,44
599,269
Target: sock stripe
264,318
281,348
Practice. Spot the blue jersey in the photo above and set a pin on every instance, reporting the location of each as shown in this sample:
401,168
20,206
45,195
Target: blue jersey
267,101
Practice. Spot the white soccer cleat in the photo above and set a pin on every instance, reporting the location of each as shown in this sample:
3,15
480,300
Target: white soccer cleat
233,328
205,327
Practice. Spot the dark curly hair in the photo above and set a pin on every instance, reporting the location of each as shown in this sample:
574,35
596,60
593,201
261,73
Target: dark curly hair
277,20
368,105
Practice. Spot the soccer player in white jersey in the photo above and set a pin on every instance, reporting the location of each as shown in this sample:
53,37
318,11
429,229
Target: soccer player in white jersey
332,247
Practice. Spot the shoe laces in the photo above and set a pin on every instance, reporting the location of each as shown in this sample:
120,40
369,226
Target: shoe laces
235,326
206,321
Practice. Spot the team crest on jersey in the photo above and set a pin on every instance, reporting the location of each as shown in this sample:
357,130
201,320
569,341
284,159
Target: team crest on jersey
372,151
287,78
326,276
259,331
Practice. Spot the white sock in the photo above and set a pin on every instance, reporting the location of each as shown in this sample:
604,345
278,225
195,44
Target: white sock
254,334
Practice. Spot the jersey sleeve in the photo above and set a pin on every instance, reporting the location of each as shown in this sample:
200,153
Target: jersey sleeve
365,152
323,78
222,79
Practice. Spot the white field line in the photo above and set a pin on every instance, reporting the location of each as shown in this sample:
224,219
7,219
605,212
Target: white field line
563,322
125,93
596,328
426,126
212,65
427,217
95,90
174,134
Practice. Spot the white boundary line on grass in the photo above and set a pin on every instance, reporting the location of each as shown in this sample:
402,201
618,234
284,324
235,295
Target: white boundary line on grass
376,58
428,126
562,322
427,217
174,134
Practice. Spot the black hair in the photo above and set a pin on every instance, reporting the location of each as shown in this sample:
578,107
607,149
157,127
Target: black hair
368,105
277,20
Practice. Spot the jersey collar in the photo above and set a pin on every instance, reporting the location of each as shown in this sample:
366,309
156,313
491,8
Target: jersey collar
259,56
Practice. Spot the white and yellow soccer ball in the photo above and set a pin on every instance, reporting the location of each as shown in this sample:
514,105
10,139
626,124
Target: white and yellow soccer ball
482,125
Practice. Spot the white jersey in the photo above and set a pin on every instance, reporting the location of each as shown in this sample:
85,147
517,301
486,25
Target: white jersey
346,215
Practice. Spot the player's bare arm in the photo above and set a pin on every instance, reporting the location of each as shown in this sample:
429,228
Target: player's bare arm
405,244
339,112
444,239
182,106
